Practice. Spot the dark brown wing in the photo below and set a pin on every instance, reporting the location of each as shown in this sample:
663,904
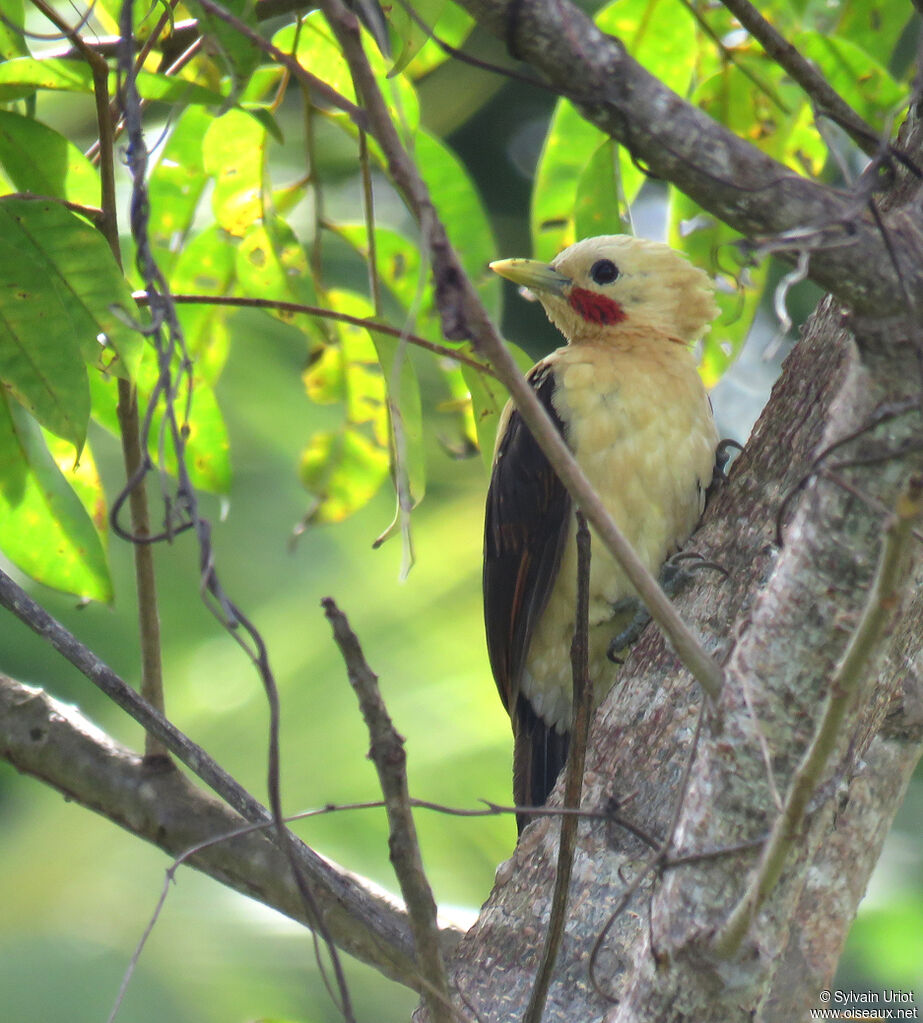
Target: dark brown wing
525,528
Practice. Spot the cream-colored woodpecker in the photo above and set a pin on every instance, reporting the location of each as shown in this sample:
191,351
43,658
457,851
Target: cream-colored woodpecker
627,397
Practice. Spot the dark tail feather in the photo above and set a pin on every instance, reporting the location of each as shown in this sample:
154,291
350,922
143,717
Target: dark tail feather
539,753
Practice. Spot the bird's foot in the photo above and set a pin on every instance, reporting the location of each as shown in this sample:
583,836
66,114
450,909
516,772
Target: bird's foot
674,575
722,454
632,632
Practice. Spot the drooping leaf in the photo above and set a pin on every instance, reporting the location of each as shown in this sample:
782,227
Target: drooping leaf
206,266
456,199
44,528
854,74
177,184
36,159
401,271
207,445
781,132
41,363
343,469
239,55
404,405
272,264
234,152
597,208
407,35
23,75
12,43
58,285
657,34
80,270
453,26
488,396
318,52
347,373
568,148
874,25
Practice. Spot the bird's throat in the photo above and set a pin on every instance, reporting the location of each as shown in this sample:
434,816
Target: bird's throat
595,308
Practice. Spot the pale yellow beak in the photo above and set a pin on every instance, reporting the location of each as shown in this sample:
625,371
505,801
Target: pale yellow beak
531,274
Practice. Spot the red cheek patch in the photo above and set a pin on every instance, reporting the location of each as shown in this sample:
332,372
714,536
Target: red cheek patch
595,308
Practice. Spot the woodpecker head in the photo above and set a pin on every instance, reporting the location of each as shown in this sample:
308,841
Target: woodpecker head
606,286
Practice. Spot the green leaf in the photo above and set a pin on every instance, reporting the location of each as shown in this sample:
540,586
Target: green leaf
56,269
241,57
569,146
22,76
854,74
344,470
874,25
597,209
488,396
657,34
456,199
206,266
711,245
44,528
207,446
404,406
37,159
453,27
408,33
234,152
271,263
12,43
177,184
402,272
783,134
318,51
41,361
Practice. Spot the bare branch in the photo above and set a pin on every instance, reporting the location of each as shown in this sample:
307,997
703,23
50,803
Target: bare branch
381,934
55,744
390,759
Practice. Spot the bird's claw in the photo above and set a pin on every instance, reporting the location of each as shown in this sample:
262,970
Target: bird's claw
673,577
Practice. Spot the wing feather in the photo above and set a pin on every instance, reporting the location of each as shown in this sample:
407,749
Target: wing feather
526,527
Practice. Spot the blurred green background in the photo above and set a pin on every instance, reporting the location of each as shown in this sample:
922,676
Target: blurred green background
76,892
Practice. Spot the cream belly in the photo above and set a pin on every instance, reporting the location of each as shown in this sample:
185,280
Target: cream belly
641,427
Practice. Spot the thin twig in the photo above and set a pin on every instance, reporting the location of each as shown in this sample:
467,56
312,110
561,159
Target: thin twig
375,932
884,595
328,314
573,779
390,758
463,315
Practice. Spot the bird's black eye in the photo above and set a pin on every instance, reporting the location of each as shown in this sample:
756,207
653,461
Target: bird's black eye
604,271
